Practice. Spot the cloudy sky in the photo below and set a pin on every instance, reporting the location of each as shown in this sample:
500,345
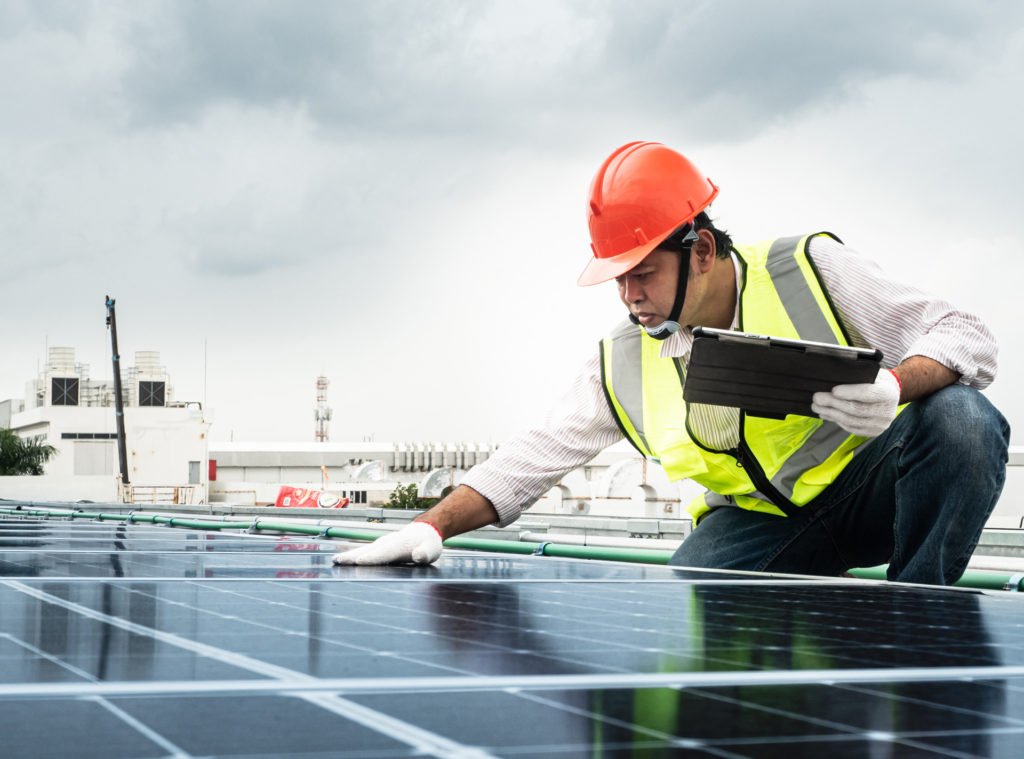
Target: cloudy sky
392,193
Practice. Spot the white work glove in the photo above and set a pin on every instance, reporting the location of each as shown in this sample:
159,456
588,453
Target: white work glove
418,542
866,409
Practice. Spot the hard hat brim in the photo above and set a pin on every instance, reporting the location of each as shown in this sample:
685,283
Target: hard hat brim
600,270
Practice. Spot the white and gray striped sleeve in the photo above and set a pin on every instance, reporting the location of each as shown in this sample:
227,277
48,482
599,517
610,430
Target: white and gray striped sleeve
901,320
529,464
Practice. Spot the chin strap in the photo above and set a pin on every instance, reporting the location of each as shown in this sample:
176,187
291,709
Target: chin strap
671,325
661,332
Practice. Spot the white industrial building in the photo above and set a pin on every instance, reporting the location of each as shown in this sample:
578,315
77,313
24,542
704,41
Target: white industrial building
64,407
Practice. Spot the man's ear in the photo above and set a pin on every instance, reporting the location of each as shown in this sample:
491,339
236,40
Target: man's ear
704,249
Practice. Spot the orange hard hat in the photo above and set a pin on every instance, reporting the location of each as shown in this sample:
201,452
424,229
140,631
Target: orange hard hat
641,194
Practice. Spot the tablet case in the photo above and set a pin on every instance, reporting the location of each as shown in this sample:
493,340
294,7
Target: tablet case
770,376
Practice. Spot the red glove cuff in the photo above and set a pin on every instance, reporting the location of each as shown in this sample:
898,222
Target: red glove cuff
898,381
432,526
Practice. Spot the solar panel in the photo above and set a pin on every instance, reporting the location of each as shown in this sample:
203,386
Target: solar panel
142,641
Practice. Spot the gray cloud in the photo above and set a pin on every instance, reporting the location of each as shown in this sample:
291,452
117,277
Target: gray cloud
315,177
196,54
17,16
507,72
396,68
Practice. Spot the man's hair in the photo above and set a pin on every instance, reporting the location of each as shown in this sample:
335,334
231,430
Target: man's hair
723,242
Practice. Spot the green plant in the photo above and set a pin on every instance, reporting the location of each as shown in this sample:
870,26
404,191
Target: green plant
20,456
405,497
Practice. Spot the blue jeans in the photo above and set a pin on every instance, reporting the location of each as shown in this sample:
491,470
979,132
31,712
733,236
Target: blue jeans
917,497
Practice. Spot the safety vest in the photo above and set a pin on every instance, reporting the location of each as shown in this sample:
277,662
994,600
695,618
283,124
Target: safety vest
769,465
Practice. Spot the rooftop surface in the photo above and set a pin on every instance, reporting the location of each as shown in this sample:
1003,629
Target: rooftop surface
141,641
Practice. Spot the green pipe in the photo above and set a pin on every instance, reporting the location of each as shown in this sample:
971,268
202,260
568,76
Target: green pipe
635,555
195,524
972,578
198,524
311,529
38,512
498,546
979,579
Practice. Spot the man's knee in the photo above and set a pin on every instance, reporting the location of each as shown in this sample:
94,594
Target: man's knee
961,418
732,538
699,549
706,547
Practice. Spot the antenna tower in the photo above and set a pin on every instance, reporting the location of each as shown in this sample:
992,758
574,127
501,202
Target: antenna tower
322,415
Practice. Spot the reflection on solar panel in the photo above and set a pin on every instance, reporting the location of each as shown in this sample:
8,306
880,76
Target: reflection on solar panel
139,641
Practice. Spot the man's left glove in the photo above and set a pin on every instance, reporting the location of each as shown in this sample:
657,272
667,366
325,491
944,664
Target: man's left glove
418,542
867,409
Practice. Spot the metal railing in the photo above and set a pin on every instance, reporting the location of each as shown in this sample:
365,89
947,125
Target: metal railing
170,495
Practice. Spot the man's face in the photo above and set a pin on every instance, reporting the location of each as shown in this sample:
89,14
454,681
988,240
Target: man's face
649,289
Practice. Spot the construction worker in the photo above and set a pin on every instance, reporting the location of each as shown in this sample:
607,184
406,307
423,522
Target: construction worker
904,470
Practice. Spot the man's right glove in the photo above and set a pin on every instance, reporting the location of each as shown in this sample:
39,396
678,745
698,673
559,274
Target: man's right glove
866,409
418,542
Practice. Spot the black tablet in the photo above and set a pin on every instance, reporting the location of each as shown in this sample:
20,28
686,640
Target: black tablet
770,376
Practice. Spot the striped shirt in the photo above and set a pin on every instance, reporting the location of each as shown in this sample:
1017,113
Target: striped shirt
899,320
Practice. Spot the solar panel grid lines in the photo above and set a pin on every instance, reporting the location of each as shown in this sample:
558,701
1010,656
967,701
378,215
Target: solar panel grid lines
941,717
656,738
483,645
417,738
824,725
485,625
173,751
215,645
370,650
744,731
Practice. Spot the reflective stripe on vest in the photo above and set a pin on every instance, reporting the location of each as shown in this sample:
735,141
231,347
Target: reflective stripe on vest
800,456
621,369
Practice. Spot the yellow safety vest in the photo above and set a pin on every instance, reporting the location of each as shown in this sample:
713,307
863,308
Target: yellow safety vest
775,466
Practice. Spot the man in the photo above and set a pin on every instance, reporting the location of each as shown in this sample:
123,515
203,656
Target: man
903,470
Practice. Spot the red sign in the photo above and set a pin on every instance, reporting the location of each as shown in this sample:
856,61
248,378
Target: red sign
294,498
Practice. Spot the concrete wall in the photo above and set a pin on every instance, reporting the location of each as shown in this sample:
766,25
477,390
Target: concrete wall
160,443
8,409
56,487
